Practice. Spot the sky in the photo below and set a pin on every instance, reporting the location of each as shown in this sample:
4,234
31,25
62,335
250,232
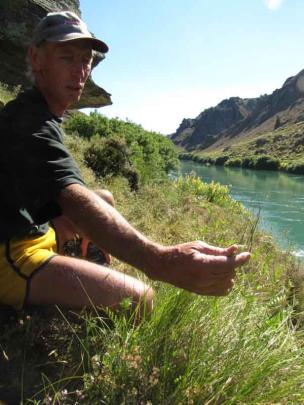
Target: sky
171,59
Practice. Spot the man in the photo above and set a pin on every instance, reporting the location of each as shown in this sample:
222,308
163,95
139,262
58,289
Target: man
40,183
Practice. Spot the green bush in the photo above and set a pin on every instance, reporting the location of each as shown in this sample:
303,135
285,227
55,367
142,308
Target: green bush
197,158
109,157
248,162
144,155
106,156
221,160
266,163
296,167
87,125
237,162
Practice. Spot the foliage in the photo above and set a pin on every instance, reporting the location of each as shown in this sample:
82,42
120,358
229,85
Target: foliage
296,167
266,163
199,350
110,157
119,147
221,160
7,93
280,149
236,162
88,125
213,192
245,348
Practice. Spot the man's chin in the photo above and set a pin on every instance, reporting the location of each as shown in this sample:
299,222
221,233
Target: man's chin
73,101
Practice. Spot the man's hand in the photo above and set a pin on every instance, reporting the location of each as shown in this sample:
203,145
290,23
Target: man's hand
201,268
65,231
194,266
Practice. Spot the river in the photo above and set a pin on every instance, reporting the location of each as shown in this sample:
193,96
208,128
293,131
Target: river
278,198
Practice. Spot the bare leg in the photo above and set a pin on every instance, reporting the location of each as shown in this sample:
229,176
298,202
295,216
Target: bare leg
106,195
76,284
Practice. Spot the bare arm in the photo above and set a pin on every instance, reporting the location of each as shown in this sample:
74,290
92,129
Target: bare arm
194,266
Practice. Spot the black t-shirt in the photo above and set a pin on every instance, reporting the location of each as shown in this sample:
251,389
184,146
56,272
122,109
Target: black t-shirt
34,166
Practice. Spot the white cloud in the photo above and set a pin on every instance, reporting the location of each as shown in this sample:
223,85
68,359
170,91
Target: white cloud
273,4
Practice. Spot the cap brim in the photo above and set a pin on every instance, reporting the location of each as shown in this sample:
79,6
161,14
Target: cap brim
97,44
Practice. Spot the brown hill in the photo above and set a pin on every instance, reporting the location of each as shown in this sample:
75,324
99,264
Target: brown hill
236,119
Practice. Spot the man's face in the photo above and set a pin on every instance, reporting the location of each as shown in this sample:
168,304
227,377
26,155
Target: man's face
61,71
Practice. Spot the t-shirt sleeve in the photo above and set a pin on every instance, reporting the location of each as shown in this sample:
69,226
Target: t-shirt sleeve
40,166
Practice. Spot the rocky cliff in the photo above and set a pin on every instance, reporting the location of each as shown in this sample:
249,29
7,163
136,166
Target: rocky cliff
17,21
236,117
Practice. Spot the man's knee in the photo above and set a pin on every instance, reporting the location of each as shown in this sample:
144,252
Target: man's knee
106,195
144,301
149,299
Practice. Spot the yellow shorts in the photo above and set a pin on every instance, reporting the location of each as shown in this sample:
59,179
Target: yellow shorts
19,260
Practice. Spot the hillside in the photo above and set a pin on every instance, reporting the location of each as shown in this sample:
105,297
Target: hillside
267,125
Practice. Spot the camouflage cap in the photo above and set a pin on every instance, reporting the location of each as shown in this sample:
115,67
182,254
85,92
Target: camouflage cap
65,26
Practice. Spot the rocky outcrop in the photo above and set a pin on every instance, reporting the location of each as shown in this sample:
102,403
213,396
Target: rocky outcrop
17,21
204,129
239,117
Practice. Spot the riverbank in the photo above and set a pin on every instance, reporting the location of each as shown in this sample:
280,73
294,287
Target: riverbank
281,149
243,348
276,197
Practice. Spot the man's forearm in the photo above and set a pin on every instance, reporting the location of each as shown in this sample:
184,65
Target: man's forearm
194,266
107,228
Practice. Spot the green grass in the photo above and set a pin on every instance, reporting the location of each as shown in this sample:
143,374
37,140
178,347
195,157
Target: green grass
7,93
246,348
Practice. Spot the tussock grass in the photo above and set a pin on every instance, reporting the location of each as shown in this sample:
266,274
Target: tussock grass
246,348
201,350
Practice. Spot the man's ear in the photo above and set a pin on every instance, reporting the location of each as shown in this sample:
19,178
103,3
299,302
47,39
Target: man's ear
34,56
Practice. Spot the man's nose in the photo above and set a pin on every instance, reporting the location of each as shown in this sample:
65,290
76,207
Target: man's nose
79,69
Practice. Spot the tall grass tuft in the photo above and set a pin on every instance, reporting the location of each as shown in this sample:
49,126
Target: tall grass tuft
197,350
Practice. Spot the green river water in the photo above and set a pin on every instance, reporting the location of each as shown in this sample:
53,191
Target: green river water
278,198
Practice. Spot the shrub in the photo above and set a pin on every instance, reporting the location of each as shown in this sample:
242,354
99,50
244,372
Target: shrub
261,142
7,93
212,192
87,125
185,156
197,158
144,155
221,160
248,162
266,163
296,167
236,162
110,157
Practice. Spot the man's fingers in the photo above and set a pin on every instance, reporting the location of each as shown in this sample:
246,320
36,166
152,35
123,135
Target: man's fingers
84,246
215,250
224,265
241,258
